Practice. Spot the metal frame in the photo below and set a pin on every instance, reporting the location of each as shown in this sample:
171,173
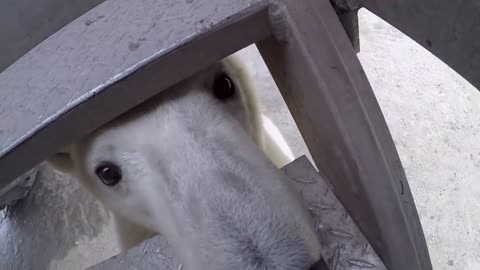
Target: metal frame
335,109
84,75
448,29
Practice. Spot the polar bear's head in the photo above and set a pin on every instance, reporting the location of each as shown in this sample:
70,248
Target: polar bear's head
165,132
187,164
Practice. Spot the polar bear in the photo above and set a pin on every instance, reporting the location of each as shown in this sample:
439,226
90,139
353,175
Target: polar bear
199,164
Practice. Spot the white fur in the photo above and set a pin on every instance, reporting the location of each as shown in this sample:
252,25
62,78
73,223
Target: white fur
275,146
193,169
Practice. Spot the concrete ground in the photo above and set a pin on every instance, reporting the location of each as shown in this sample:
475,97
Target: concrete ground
434,118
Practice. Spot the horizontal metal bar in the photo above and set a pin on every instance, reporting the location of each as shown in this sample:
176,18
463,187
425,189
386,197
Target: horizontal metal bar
106,62
448,29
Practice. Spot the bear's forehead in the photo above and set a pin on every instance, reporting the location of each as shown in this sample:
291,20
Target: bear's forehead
141,123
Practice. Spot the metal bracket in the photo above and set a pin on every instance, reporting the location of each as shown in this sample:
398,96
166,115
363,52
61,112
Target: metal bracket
347,11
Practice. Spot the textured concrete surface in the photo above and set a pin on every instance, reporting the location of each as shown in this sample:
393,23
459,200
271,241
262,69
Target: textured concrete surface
434,117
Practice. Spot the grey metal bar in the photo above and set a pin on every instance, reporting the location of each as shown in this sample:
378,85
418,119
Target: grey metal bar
448,29
25,23
329,96
343,245
109,60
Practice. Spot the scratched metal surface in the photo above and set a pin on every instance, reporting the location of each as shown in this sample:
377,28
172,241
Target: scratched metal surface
343,245
74,73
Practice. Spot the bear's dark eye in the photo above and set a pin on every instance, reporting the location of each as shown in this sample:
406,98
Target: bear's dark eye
110,174
223,87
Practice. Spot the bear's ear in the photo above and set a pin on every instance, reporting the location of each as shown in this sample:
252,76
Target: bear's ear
62,160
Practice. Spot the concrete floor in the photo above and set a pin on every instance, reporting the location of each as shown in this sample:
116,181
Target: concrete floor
434,117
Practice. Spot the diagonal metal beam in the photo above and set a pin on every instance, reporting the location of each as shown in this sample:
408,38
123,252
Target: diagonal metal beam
448,29
332,102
